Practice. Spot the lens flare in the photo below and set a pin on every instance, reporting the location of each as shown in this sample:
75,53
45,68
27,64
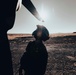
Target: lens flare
43,13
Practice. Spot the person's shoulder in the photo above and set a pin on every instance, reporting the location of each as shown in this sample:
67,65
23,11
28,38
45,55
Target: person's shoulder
31,42
43,45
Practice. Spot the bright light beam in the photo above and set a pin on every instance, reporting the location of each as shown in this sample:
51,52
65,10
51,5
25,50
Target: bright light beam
43,13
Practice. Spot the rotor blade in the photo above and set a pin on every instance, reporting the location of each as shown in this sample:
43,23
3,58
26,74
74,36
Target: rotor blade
29,5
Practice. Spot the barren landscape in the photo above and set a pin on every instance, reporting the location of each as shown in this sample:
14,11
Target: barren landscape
61,50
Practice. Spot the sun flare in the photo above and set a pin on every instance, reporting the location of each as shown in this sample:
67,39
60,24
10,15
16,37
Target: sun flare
43,13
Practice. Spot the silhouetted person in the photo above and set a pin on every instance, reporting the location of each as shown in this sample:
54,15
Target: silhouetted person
7,17
34,60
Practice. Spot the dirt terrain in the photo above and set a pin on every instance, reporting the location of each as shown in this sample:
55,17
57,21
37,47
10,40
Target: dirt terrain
61,51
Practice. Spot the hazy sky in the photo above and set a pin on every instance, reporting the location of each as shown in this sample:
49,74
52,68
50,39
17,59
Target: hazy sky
59,16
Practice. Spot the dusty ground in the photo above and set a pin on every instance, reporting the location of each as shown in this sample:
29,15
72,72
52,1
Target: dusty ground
61,50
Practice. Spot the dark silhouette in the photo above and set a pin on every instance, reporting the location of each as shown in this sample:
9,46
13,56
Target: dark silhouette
7,17
34,60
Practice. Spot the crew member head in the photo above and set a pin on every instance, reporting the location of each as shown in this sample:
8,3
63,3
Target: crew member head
41,33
